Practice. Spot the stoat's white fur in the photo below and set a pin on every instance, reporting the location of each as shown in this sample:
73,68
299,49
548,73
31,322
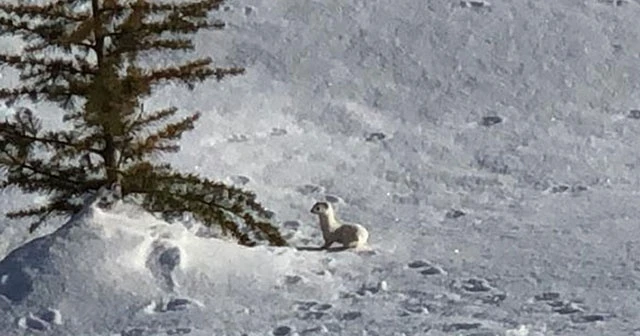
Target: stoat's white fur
350,235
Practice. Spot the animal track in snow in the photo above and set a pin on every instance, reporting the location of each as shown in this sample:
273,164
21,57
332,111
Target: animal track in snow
239,179
334,199
564,188
281,331
141,331
350,316
590,318
634,114
547,296
278,131
238,138
557,304
292,279
489,120
161,262
33,323
417,303
565,308
426,268
170,305
375,136
381,286
476,285
314,330
309,189
475,4
571,308
311,310
42,320
454,213
452,327
292,225
493,298
178,331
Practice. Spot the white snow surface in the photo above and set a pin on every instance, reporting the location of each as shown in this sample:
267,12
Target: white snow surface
522,225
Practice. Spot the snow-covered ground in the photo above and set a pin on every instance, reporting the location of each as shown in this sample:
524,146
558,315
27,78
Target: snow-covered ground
490,150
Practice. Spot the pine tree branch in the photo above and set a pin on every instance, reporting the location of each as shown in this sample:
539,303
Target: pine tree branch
147,120
49,33
31,183
26,128
160,141
49,12
58,207
191,72
42,66
55,93
199,8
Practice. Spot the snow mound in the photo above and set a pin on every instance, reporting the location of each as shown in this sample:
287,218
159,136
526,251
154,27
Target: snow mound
115,268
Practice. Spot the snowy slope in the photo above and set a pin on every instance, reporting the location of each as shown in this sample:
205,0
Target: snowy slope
119,269
518,115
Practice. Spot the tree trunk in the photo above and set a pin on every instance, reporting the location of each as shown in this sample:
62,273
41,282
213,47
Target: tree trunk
109,151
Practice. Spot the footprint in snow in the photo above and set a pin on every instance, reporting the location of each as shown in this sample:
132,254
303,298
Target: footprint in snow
42,320
494,299
133,332
292,279
489,120
350,316
547,296
278,131
480,289
282,331
426,268
314,330
375,136
178,331
51,316
563,188
162,261
33,323
334,199
557,304
419,303
412,307
304,305
239,179
311,310
309,189
590,318
453,327
477,4
566,308
571,308
171,305
381,286
293,225
476,285
238,138
454,213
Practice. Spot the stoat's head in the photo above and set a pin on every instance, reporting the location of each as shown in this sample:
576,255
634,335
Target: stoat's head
321,208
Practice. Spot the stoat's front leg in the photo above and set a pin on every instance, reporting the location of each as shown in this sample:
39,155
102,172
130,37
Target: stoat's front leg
328,242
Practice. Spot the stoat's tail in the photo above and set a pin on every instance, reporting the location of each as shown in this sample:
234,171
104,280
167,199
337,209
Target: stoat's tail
363,238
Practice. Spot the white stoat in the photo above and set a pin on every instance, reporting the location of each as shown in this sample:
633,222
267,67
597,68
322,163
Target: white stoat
333,231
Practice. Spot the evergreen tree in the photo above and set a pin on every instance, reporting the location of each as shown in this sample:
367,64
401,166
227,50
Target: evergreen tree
85,56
